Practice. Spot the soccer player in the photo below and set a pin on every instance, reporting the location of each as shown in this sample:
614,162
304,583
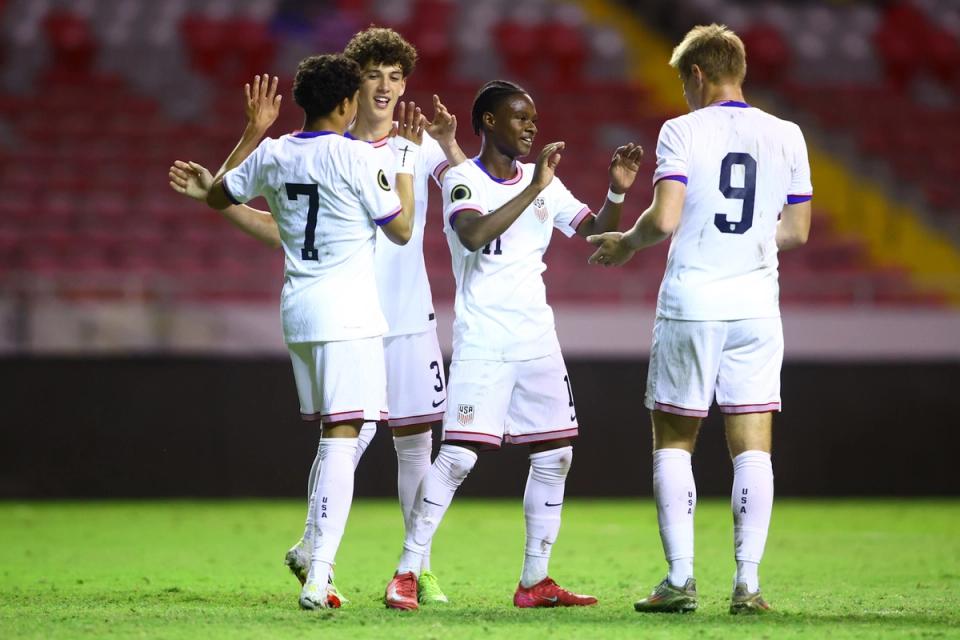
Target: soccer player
416,385
328,195
732,186
508,381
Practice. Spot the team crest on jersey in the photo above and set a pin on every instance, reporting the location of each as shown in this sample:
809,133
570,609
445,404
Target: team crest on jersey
465,415
540,209
382,180
460,192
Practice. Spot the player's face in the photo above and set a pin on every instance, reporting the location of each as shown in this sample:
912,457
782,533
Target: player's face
381,87
515,125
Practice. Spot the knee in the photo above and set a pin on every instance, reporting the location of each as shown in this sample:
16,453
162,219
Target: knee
551,467
459,461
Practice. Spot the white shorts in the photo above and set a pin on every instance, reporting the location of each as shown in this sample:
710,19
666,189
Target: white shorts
416,386
516,402
340,381
739,359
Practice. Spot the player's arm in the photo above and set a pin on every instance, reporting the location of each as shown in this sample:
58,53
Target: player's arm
793,229
262,106
654,225
476,230
410,125
194,181
623,171
443,129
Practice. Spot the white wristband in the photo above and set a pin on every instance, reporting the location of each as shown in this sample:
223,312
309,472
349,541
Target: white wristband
615,198
406,153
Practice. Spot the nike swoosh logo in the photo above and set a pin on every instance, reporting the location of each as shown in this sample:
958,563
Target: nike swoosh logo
550,599
433,503
573,417
437,404
393,595
547,503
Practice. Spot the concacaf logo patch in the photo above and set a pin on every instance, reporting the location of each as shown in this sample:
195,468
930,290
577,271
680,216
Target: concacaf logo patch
382,180
460,192
465,415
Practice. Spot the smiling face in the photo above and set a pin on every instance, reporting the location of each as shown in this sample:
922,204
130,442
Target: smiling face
381,86
512,126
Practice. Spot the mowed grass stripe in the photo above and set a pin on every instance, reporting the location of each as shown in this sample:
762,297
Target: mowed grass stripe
214,569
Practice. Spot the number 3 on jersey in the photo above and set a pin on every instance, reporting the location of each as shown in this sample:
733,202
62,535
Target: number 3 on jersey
745,193
294,191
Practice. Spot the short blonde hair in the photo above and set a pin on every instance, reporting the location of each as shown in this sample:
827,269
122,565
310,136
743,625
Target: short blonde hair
717,50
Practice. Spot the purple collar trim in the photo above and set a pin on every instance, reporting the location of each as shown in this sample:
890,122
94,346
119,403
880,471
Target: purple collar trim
512,180
731,103
313,134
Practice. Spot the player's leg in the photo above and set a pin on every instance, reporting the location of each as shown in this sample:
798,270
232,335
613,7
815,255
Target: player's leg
542,414
748,391
479,394
343,385
684,360
416,391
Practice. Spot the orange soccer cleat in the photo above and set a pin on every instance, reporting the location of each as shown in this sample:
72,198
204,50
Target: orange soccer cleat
402,592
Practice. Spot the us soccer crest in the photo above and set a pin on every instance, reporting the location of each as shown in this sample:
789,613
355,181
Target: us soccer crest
465,415
540,209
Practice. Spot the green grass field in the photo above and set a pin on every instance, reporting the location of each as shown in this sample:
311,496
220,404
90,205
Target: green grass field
843,569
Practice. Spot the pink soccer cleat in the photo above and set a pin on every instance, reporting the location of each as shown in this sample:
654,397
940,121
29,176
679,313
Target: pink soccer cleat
402,592
548,593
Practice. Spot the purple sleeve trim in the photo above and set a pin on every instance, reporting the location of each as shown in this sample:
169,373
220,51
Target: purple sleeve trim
387,218
678,177
799,199
226,191
453,216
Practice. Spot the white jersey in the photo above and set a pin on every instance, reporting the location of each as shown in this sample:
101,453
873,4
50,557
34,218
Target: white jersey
401,273
741,166
327,194
501,310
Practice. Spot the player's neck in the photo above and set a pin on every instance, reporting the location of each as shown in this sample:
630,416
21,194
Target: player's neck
370,130
722,93
331,122
497,164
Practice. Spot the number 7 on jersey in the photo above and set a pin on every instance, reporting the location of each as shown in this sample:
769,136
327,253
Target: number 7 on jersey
294,191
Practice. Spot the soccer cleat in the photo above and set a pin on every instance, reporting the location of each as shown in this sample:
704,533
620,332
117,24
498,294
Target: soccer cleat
315,596
666,598
743,601
298,561
402,592
548,593
428,589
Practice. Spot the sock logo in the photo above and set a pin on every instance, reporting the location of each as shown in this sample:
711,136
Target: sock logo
743,500
323,507
433,503
689,502
547,503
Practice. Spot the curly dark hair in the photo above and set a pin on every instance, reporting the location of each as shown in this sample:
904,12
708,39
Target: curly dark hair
489,98
323,82
381,45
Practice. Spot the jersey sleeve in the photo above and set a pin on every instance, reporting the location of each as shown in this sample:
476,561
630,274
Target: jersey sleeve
379,200
460,194
801,189
673,151
245,182
433,158
570,212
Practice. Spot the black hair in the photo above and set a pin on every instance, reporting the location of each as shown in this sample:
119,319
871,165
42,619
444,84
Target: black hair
489,98
323,82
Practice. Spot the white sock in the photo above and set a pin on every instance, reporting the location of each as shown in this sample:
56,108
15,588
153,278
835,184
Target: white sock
413,461
447,472
542,502
752,503
676,495
367,432
333,497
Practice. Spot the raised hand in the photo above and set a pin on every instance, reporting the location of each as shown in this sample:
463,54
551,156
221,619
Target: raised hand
547,163
443,127
410,122
262,104
612,251
191,179
624,166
